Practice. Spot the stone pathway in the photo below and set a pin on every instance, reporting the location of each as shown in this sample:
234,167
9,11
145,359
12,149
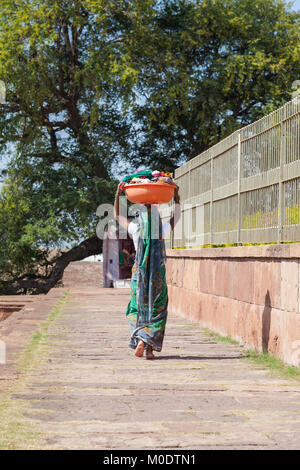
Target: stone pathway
93,393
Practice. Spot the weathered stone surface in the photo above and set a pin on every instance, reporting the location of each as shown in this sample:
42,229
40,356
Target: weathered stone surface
267,283
83,274
289,285
93,393
258,251
253,298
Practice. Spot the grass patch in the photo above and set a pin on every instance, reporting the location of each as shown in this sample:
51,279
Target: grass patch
36,350
216,337
265,360
191,326
223,245
16,430
273,364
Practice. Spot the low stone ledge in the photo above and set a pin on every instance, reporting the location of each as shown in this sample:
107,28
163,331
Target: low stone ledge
290,250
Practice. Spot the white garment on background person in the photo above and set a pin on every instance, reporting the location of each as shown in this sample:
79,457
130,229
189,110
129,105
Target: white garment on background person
133,229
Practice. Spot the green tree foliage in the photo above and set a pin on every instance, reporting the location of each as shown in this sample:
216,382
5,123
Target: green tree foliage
99,86
68,81
209,68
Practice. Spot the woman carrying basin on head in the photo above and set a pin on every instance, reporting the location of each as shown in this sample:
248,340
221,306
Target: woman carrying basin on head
147,308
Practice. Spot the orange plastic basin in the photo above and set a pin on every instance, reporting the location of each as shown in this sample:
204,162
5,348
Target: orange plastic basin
151,193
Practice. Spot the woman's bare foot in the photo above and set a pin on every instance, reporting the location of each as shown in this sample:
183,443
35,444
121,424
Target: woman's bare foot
149,353
139,350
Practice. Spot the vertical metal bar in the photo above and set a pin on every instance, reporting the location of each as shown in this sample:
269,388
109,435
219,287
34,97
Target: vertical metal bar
189,210
281,187
211,198
239,190
172,232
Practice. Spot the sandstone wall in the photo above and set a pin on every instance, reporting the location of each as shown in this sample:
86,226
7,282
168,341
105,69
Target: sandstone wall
249,293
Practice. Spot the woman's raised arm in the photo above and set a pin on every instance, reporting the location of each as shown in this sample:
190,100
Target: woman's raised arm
177,212
123,221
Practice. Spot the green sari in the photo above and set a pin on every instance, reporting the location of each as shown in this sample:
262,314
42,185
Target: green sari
147,308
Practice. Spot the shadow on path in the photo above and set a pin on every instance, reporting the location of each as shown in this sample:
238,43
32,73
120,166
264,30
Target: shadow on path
199,358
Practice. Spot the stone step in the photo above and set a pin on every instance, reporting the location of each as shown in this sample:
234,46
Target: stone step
83,273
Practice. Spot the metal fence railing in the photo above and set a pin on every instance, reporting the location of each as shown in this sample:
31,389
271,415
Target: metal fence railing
244,189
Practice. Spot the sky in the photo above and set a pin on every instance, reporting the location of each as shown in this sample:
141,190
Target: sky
296,5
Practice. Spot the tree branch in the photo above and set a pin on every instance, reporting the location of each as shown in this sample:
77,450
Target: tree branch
42,285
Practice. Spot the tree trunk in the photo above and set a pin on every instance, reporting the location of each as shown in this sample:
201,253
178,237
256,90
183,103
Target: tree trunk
42,285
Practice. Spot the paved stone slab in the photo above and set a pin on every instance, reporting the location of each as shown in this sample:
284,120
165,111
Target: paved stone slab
93,393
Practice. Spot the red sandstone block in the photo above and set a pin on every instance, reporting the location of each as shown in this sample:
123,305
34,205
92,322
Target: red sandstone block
267,283
248,326
244,279
289,285
171,270
169,264
196,276
180,272
187,274
198,267
189,278
195,307
208,275
221,281
203,275
290,327
232,279
174,294
174,272
272,333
